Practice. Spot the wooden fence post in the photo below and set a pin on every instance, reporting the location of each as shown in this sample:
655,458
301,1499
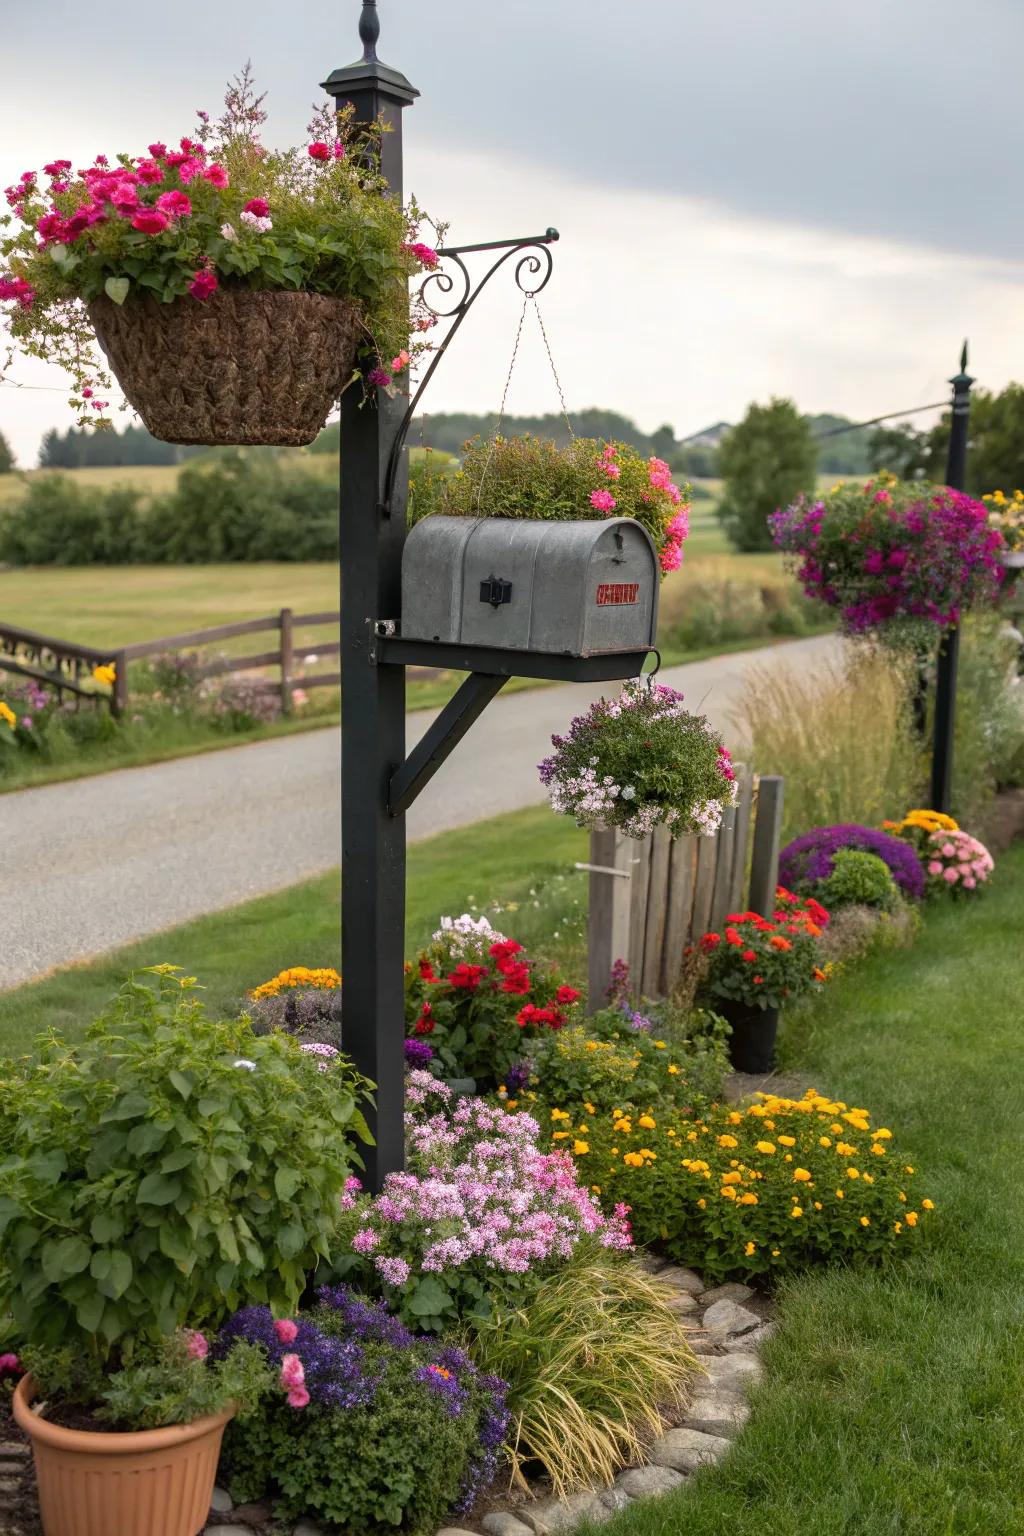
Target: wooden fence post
119,692
287,661
764,865
608,914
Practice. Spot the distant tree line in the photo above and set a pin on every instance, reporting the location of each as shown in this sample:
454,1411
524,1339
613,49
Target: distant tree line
80,447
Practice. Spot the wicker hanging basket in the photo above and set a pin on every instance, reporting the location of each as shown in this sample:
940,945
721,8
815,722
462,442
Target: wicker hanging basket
240,367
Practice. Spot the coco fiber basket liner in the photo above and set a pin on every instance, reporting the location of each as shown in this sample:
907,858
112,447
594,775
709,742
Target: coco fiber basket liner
240,367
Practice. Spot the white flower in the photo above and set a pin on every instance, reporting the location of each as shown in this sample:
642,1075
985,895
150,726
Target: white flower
229,232
249,1066
629,793
256,222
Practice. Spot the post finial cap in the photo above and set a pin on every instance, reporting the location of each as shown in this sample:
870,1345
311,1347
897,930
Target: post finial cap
369,30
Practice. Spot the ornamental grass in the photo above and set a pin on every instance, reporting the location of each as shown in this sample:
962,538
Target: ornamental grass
757,1190
590,1358
840,734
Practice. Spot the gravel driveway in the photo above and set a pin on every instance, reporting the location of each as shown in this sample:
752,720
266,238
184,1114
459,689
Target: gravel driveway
94,863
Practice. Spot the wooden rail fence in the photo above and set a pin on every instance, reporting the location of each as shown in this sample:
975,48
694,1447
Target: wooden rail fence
68,667
651,897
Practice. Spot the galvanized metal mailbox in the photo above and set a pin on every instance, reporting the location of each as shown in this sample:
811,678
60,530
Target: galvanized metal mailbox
584,588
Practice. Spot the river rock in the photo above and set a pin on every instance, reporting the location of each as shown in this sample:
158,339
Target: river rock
685,1450
733,1372
730,1291
682,1279
556,1516
649,1482
749,1341
717,1413
726,1319
501,1522
220,1501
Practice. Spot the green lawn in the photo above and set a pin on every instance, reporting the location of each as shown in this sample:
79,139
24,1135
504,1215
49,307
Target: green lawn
894,1401
521,864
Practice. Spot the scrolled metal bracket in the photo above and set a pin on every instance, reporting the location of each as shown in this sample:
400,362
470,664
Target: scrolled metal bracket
532,272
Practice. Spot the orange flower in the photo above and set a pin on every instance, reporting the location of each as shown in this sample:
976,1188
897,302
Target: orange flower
778,942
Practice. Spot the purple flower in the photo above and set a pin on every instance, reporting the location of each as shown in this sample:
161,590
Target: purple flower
809,859
418,1053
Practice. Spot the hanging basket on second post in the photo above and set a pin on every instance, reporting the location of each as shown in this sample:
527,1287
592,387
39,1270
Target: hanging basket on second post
240,367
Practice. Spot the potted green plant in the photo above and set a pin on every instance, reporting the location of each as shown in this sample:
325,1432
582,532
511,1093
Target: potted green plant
533,477
234,289
757,964
154,1178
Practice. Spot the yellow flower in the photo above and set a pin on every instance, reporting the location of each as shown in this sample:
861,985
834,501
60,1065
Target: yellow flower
590,1045
853,1173
907,1169
911,1218
788,1157
787,1141
580,1148
903,1197
796,1211
801,1176
590,1109
817,1205
843,1149
928,1205
824,1141
840,1195
659,1045
747,1198
734,1118
623,1127
559,1114
633,1159
648,1122
883,1135
7,713
868,1178
727,1141
897,1226
749,1249
766,1147
105,675
728,1192
673,1069
702,1205
877,1149
595,1189
865,1221
776,1252
732,1178
560,1135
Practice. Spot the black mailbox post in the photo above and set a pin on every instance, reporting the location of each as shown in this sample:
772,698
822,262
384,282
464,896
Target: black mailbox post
378,783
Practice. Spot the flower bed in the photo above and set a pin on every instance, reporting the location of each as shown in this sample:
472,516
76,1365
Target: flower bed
810,859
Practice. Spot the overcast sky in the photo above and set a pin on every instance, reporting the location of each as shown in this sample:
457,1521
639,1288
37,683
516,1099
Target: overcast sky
816,198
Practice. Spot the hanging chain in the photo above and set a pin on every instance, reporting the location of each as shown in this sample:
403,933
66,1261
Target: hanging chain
554,370
504,400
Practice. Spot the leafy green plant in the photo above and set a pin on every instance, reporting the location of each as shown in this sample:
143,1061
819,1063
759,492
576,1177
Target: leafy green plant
766,461
589,1355
536,478
164,1171
857,880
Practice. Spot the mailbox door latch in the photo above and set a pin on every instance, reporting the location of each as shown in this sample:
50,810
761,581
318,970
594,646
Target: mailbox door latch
495,591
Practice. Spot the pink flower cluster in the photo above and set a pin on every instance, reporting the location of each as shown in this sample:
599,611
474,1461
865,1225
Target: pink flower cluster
956,861
478,1192
293,1377
659,475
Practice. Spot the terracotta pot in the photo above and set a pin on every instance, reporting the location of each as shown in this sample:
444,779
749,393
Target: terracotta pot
157,1482
752,1042
240,367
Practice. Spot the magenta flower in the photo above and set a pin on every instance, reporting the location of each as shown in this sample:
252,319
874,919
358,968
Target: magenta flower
216,175
257,206
286,1330
198,1348
150,221
603,501
319,151
298,1397
175,204
203,284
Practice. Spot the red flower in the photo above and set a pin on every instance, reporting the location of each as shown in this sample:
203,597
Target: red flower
150,221
531,1014
517,978
425,1023
710,941
504,951
567,995
466,976
427,972
732,937
748,955
258,206
319,151
758,980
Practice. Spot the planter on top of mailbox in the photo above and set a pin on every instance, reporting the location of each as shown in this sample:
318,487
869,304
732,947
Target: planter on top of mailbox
576,589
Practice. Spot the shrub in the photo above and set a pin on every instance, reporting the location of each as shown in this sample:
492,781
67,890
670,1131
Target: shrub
759,1190
533,477
310,1014
640,761
589,1356
761,962
57,521
244,507
854,932
988,748
241,703
808,860
896,559
857,879
610,1061
840,734
164,1171
712,611
479,1212
474,997
766,461
369,1428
